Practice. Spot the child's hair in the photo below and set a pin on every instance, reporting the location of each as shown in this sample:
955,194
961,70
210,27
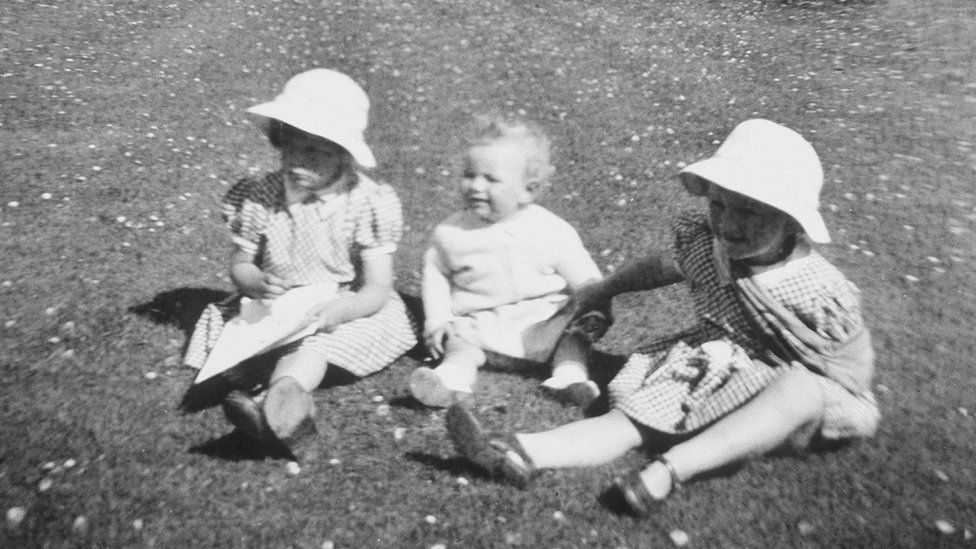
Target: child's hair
276,131
492,128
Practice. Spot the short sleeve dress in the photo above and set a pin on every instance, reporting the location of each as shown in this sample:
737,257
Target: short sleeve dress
675,385
322,239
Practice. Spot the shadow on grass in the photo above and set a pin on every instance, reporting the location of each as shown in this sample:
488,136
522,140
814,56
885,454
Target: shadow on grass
408,402
613,501
236,446
180,307
454,465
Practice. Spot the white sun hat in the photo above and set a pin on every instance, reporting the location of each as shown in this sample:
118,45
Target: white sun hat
769,163
325,103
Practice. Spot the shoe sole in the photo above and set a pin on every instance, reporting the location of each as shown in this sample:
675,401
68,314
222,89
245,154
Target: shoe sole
473,443
580,394
287,407
468,436
426,386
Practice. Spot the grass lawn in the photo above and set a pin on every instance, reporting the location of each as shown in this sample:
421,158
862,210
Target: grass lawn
122,124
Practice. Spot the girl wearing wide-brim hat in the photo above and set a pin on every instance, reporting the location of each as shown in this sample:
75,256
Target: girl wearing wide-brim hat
318,220
780,354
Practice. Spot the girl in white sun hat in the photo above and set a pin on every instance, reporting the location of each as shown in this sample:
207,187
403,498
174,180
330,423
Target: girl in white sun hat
780,355
317,221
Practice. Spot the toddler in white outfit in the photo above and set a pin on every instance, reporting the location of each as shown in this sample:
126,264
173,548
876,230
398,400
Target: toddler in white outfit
499,275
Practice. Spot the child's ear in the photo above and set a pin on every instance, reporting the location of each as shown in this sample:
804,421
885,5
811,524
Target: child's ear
540,181
536,185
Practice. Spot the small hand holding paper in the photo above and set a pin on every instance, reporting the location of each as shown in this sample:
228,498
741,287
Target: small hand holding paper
264,324
435,339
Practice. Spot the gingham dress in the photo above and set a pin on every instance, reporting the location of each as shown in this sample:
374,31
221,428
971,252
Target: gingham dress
321,239
657,387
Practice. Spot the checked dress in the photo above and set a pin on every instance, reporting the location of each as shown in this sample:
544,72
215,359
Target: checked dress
321,239
677,385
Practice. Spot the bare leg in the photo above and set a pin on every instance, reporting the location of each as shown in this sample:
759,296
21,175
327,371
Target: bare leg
570,379
455,375
570,358
583,443
792,403
459,367
304,366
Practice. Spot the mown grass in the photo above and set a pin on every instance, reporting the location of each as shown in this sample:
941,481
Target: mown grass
130,114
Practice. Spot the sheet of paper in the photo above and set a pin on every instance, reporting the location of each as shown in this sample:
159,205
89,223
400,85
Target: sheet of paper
263,325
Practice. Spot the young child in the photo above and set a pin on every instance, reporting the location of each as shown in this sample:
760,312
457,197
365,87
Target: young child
316,220
500,273
780,355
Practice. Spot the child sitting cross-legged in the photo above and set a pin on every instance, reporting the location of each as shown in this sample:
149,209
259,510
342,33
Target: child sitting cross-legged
499,274
780,355
317,221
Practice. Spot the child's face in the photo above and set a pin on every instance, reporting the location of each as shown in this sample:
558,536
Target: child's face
313,162
751,230
494,180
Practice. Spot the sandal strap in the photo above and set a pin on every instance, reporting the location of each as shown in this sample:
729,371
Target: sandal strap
511,442
675,479
515,465
635,494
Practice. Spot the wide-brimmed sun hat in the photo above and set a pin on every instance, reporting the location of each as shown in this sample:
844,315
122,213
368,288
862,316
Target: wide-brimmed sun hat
325,103
769,163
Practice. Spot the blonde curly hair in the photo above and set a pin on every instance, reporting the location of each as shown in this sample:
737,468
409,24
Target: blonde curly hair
530,138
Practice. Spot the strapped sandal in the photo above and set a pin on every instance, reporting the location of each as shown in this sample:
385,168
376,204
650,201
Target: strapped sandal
501,459
635,493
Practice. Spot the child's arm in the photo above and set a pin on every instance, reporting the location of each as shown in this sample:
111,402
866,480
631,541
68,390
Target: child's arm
436,296
654,271
376,288
251,280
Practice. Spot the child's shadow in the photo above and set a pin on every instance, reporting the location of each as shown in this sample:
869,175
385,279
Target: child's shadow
455,466
236,446
181,307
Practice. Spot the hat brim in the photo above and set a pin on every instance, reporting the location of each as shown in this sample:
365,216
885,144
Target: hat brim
732,176
348,138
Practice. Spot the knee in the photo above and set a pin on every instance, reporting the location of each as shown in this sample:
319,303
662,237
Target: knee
305,368
798,395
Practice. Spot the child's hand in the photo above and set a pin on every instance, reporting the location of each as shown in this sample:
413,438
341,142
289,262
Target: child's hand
435,339
328,319
263,286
